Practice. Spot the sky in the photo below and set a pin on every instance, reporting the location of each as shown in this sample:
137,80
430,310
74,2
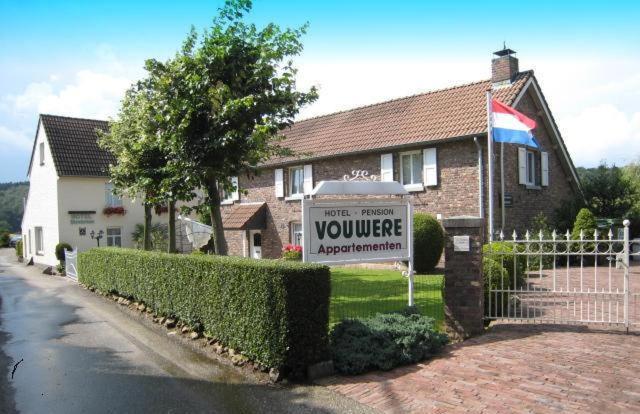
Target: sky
77,58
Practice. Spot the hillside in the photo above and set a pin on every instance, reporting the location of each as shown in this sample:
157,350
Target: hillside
11,207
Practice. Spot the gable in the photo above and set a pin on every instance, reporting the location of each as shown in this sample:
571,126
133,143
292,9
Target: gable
532,92
74,146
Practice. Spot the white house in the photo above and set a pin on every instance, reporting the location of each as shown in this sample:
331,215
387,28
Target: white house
70,197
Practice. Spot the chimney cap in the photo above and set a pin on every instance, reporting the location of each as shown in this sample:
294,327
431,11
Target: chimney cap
504,52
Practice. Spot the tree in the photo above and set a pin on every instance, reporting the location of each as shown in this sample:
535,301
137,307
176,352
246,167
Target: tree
225,97
607,192
141,165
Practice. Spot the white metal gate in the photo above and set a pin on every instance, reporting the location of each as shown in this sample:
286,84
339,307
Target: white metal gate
556,279
71,263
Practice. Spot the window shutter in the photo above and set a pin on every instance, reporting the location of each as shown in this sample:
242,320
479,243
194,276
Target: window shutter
236,193
430,166
544,166
279,182
308,179
386,167
522,165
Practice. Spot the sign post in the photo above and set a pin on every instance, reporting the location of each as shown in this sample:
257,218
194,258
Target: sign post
359,230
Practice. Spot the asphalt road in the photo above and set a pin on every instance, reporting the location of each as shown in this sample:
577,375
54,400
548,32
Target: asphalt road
81,354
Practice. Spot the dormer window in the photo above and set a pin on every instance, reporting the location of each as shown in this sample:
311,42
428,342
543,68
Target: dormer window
41,152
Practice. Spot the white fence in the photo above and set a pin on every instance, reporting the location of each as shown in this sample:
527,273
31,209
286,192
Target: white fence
71,263
592,280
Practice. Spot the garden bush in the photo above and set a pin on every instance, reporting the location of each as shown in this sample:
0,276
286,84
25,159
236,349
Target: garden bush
383,342
19,248
503,253
60,248
501,271
586,222
275,312
428,242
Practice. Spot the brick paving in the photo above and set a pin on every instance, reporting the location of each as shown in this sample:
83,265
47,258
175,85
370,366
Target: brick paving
513,368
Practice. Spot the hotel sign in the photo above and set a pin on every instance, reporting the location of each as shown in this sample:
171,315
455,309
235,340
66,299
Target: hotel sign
355,231
82,217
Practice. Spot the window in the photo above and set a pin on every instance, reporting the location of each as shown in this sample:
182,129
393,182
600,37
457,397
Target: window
39,241
114,236
111,199
296,181
411,169
228,197
41,152
296,233
531,168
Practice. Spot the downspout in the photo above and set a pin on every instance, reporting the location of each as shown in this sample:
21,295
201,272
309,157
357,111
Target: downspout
480,179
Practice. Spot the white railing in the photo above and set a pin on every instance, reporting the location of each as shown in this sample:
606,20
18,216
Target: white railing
557,279
71,263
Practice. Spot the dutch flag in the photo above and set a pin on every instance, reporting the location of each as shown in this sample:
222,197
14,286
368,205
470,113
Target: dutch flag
510,126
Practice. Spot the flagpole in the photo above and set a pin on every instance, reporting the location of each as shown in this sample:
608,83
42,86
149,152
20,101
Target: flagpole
502,209
490,162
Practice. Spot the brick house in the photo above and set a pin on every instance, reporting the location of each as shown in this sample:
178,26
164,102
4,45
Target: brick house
434,143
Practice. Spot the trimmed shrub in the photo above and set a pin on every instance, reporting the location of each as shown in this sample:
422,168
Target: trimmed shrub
383,342
585,221
274,312
19,248
60,248
428,242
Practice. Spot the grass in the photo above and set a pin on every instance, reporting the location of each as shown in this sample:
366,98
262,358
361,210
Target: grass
357,292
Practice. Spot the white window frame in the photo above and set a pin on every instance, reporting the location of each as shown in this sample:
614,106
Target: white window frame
111,238
530,168
414,185
300,194
294,231
39,240
227,197
111,199
41,152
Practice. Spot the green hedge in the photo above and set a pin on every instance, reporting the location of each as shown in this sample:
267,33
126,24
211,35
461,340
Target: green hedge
274,312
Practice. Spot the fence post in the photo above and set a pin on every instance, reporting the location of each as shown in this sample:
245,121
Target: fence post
625,266
463,281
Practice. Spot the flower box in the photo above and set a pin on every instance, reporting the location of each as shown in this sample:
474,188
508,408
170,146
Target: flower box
110,211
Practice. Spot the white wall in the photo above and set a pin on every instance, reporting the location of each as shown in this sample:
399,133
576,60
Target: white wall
88,194
41,209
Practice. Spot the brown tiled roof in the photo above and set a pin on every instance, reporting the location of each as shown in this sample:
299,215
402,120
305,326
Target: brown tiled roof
433,116
74,146
244,217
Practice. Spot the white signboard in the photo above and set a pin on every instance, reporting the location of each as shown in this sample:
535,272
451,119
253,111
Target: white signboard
461,243
355,231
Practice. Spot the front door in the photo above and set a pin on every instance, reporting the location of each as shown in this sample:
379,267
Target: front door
256,244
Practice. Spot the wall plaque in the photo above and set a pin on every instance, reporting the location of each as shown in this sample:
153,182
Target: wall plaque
461,243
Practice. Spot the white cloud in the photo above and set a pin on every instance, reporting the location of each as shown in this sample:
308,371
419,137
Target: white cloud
15,139
348,83
90,95
602,133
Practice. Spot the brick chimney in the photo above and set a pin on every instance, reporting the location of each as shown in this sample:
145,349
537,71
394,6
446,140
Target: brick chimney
504,67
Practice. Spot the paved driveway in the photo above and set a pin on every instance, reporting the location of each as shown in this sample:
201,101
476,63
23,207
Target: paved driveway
513,368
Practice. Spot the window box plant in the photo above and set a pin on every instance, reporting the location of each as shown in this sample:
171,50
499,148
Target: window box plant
110,211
